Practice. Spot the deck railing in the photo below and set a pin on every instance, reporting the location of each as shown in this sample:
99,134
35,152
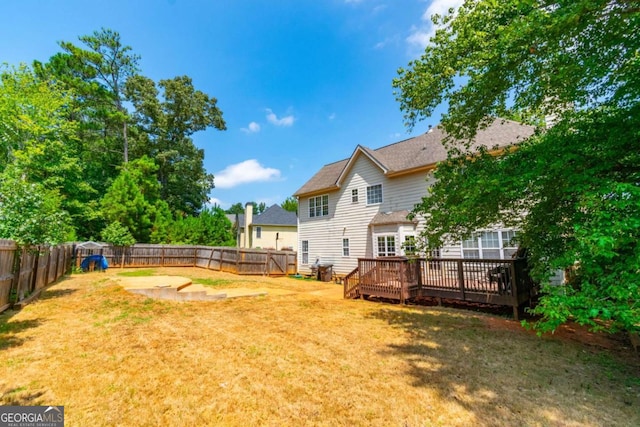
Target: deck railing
351,282
493,281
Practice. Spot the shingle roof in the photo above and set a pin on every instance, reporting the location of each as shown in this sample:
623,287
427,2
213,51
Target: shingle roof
397,217
275,215
414,153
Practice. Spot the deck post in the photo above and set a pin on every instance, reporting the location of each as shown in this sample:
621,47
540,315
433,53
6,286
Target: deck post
461,278
403,281
514,289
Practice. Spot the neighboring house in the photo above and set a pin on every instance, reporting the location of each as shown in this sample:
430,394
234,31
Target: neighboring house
275,228
358,207
237,222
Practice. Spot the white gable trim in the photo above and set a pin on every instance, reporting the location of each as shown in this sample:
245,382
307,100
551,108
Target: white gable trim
360,150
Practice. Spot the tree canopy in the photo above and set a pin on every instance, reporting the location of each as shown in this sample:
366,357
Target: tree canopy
104,143
572,189
290,204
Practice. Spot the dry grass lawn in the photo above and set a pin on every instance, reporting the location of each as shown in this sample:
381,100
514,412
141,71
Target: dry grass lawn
299,356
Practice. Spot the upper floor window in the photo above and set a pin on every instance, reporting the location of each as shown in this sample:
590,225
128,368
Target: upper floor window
319,206
374,194
354,195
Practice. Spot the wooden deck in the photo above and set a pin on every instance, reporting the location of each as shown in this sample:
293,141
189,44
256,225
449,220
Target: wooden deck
499,282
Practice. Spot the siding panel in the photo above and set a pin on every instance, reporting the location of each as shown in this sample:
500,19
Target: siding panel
351,220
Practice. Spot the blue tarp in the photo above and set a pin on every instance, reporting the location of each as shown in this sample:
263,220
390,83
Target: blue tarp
99,261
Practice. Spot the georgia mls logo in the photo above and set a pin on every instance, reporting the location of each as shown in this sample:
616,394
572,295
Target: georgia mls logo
53,408
31,416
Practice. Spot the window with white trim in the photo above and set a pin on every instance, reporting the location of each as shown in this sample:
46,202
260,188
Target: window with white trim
374,194
345,247
499,244
319,206
305,252
258,232
354,195
509,243
386,245
409,245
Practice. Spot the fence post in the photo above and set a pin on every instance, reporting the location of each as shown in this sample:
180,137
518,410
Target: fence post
36,264
48,266
15,269
210,258
267,260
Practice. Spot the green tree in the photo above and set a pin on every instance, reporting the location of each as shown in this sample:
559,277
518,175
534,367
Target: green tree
94,76
162,224
258,208
117,235
164,126
30,214
132,198
38,140
236,208
105,65
290,204
211,227
217,230
573,189
530,56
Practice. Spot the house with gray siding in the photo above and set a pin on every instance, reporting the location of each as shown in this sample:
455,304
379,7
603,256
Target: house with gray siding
358,207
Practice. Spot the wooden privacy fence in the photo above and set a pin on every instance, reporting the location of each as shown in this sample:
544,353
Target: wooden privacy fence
219,258
7,260
500,282
24,272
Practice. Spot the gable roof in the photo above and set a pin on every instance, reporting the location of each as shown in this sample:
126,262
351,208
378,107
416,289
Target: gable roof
236,217
414,154
276,215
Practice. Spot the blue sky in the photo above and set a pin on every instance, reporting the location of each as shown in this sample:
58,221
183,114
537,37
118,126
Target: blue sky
300,82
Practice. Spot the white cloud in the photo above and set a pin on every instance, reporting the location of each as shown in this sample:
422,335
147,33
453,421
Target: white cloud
332,116
420,35
441,7
252,128
379,8
284,121
244,173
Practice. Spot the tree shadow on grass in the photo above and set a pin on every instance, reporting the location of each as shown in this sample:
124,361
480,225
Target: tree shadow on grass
21,396
56,293
508,376
10,329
